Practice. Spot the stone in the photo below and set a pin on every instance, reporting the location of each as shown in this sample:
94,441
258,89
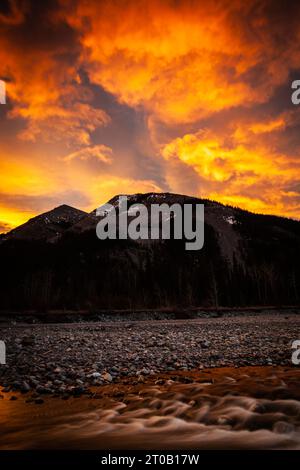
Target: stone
96,375
25,387
205,344
107,377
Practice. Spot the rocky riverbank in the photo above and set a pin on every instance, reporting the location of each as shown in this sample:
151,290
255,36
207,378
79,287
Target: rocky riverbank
69,359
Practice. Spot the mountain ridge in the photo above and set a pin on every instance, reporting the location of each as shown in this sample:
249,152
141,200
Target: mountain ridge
82,222
248,259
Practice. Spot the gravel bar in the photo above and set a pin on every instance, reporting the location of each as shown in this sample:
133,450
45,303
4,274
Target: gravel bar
68,359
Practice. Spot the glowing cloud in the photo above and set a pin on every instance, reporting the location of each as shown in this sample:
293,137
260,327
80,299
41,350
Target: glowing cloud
248,174
122,96
186,60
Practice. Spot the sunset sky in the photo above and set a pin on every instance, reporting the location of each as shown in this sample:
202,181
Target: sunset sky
108,97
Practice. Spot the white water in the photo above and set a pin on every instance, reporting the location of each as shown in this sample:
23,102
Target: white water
182,416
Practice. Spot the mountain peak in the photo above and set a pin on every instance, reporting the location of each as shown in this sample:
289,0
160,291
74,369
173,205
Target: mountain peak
47,225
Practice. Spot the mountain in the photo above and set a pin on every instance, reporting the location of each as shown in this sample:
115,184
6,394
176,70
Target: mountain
47,225
219,216
247,259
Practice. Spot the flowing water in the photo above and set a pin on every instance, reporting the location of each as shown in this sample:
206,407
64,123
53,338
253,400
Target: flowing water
247,408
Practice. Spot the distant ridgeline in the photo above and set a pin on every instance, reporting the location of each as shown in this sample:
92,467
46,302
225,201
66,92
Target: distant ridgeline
56,261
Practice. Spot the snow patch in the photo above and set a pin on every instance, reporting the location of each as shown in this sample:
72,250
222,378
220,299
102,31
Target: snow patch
230,220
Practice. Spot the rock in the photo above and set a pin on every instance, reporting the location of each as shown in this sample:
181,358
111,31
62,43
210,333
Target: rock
186,380
169,382
77,391
160,382
25,387
13,398
16,385
142,372
44,390
57,382
38,401
205,344
107,377
96,375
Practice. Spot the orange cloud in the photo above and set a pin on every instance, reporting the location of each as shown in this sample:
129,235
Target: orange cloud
42,80
71,124
99,152
263,127
182,61
249,174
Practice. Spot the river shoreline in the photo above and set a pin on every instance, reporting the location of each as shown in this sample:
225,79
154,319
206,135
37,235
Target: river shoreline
68,359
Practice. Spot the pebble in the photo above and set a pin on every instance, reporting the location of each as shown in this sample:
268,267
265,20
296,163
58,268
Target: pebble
107,377
96,375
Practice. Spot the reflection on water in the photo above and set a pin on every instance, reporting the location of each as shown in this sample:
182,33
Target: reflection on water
252,409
